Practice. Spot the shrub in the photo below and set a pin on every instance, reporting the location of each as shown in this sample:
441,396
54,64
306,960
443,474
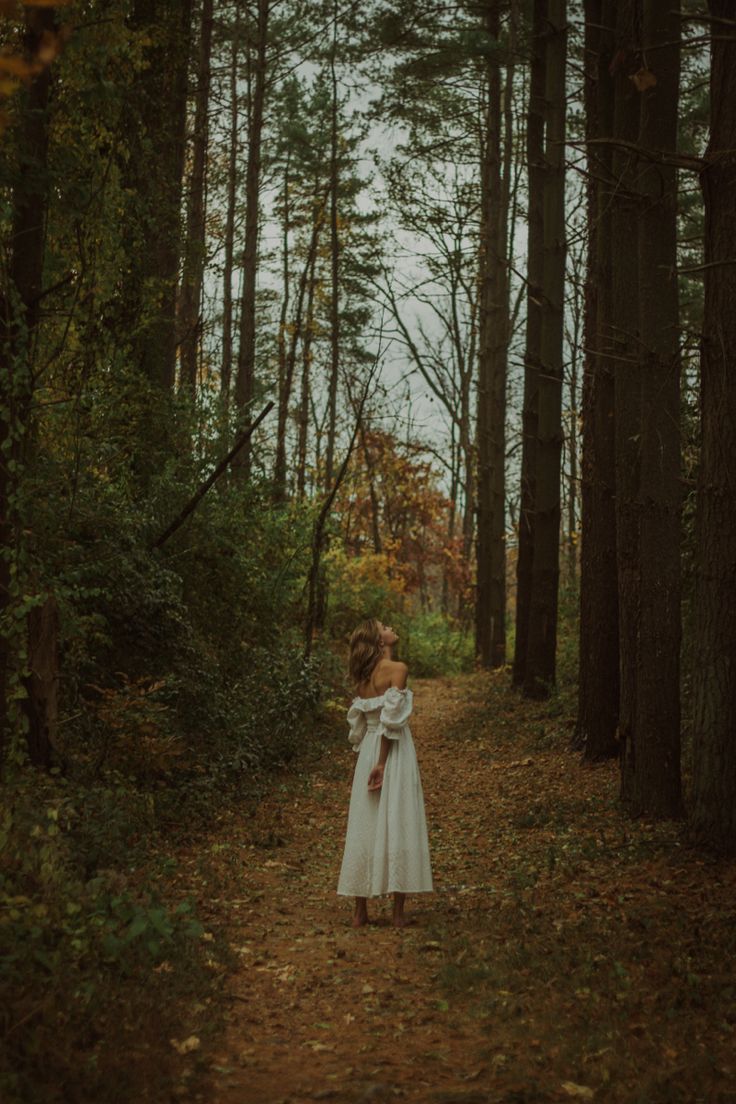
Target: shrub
432,644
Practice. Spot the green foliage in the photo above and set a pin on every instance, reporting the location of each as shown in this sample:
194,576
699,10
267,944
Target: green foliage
166,653
79,951
371,585
360,586
182,685
432,645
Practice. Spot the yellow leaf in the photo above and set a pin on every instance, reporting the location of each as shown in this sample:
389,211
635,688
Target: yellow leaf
581,1091
13,63
192,1043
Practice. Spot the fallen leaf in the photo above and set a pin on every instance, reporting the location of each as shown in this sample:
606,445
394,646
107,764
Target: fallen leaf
581,1091
192,1043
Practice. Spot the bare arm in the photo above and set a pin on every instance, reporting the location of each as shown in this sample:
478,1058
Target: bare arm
375,778
399,676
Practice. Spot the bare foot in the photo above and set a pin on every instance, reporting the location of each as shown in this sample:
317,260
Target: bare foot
359,919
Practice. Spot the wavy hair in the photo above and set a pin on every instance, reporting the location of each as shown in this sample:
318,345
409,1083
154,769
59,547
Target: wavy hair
365,650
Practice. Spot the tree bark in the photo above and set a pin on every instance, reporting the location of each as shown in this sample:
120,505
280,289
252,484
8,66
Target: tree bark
245,380
598,693
287,381
190,322
650,766
490,627
153,174
279,476
532,352
334,268
714,683
623,350
572,443
305,392
375,510
232,177
542,640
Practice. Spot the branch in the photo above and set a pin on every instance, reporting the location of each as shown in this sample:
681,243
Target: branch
710,264
204,487
319,524
661,157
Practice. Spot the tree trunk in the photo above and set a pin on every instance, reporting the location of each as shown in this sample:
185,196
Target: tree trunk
316,589
245,381
232,176
468,459
20,311
542,638
279,475
714,686
375,511
452,515
532,353
493,344
286,383
572,441
500,333
650,767
153,174
190,322
301,477
598,691
334,270
623,349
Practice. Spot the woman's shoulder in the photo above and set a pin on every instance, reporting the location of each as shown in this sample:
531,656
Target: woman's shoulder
398,671
393,672
387,675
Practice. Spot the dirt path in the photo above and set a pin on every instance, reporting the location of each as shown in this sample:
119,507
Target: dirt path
322,1011
507,986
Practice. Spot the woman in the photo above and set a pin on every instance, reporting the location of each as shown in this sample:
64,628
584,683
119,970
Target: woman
386,844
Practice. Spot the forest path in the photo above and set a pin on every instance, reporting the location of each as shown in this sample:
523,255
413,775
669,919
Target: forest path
516,981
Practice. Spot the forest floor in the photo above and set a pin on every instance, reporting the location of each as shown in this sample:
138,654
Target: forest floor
567,953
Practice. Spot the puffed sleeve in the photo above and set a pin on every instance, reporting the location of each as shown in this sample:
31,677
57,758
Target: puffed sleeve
397,706
357,722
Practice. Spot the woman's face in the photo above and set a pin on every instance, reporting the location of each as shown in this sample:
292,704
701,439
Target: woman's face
388,636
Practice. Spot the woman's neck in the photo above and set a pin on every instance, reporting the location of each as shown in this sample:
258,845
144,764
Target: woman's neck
387,651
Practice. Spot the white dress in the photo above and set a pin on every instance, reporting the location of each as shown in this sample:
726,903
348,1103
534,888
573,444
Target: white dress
386,844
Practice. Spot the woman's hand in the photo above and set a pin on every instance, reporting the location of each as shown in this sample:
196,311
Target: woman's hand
375,778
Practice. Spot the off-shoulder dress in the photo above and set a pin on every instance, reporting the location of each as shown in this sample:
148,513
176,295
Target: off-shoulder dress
386,843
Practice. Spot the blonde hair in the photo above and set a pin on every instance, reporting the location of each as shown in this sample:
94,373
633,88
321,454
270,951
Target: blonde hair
366,646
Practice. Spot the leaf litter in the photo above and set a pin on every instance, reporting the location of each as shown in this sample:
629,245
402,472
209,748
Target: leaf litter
567,952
